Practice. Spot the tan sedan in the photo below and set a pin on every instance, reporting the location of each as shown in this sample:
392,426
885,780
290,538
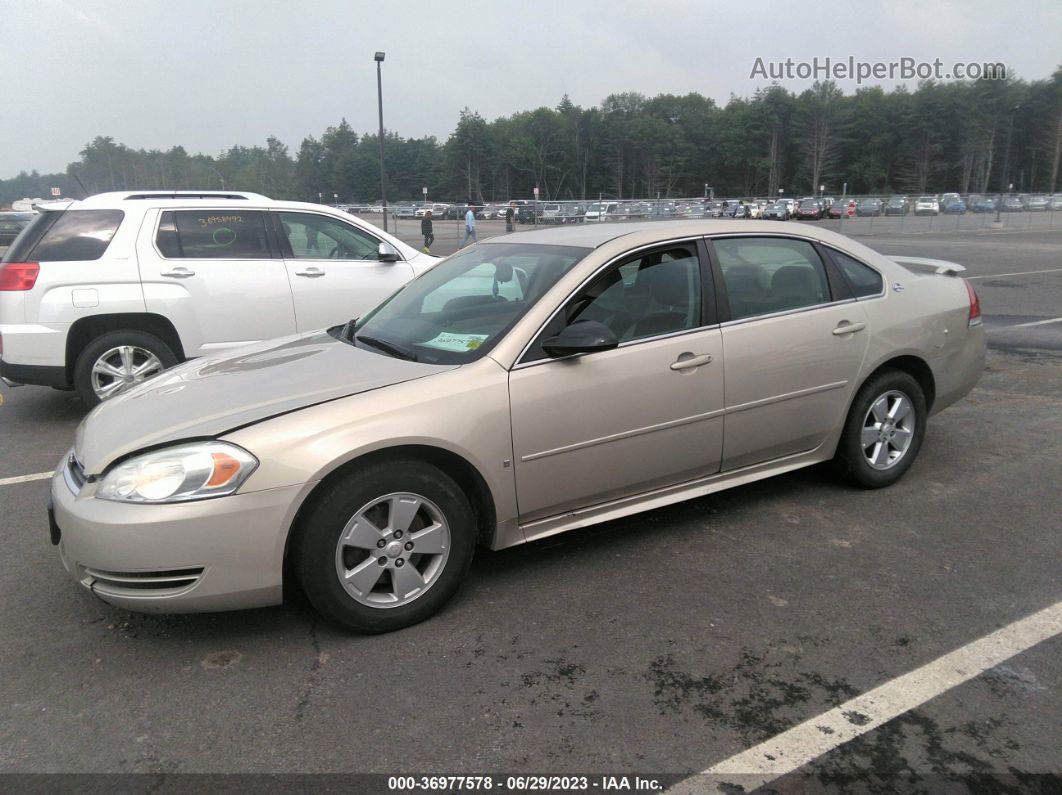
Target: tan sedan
525,386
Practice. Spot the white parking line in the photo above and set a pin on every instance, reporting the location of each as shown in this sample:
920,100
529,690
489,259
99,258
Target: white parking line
1039,322
1020,273
796,747
25,478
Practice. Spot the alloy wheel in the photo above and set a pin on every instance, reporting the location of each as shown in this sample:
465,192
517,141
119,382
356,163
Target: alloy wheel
121,366
392,550
888,429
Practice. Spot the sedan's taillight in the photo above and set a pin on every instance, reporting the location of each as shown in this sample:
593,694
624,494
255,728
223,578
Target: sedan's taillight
975,305
18,276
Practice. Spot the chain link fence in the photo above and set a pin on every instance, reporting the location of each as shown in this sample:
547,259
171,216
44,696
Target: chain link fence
853,215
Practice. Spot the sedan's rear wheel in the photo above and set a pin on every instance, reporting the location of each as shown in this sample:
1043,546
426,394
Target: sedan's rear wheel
884,430
386,546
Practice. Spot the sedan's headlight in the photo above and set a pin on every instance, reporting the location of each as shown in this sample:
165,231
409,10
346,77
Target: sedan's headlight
193,471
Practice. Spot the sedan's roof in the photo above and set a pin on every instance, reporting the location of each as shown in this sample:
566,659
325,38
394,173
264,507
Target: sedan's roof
593,235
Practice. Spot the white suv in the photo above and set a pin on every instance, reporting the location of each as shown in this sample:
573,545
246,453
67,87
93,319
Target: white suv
100,293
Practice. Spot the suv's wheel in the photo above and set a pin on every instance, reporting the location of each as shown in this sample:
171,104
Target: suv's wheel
386,546
117,359
884,430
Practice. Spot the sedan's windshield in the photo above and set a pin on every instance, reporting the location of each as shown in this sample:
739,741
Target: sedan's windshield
459,309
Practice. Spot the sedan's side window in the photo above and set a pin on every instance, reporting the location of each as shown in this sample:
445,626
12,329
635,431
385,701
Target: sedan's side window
864,280
313,236
770,274
656,293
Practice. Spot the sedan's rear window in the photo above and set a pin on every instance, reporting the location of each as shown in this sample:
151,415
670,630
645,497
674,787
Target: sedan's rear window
74,236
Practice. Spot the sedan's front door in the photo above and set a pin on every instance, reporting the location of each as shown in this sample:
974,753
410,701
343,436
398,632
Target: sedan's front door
334,269
592,428
793,350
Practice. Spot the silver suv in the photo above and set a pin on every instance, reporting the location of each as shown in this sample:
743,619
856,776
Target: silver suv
105,292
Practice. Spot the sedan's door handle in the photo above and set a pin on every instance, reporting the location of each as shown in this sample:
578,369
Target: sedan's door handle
844,327
310,273
180,272
693,361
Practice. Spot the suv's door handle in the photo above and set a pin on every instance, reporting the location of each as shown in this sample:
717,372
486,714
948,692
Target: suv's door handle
179,272
693,361
844,327
311,273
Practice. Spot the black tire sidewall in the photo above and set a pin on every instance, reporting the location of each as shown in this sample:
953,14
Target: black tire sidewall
97,347
314,548
850,459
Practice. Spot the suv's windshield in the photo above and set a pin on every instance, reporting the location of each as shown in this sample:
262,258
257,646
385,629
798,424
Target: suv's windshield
459,309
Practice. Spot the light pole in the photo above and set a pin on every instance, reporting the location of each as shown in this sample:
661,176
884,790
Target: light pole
379,97
1006,162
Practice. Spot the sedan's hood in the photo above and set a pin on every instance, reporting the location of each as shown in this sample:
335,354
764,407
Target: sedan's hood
208,396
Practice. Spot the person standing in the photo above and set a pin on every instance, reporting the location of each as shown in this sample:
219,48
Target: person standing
510,217
470,227
427,228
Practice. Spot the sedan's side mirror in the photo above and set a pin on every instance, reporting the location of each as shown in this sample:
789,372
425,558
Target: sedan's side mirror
582,336
387,253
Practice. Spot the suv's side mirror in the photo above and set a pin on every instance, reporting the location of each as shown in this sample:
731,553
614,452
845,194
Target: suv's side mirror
387,253
582,336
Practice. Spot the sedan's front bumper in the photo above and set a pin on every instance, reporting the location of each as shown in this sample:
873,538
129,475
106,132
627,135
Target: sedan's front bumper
225,553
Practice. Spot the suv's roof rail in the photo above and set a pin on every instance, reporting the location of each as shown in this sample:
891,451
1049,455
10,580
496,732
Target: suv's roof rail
156,195
191,194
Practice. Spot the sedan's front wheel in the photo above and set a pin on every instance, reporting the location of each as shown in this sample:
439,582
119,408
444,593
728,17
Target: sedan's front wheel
386,546
884,430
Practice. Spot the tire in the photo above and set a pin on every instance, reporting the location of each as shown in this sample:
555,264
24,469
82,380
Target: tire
882,463
369,493
103,348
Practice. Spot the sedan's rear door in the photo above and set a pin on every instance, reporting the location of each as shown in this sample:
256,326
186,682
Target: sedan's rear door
793,343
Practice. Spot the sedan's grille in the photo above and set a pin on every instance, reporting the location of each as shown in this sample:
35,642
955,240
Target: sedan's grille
138,582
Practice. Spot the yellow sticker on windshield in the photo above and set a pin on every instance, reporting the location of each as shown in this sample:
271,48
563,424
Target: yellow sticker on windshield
458,343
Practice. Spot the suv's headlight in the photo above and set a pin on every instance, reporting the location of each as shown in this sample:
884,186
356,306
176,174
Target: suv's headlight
192,471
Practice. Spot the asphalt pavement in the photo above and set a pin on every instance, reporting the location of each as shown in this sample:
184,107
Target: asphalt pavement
663,643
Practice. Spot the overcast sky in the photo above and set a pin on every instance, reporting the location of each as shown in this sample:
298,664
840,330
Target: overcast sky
208,74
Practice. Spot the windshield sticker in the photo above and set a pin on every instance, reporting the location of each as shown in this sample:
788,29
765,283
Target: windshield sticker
455,342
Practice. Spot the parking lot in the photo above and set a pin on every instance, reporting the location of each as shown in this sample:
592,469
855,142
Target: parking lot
661,645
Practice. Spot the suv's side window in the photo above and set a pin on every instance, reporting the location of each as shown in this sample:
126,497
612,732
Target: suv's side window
770,274
213,234
313,236
77,235
655,293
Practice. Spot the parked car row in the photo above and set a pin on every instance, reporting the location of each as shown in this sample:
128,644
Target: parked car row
811,208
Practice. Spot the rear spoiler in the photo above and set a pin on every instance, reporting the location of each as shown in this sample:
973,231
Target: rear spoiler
935,265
